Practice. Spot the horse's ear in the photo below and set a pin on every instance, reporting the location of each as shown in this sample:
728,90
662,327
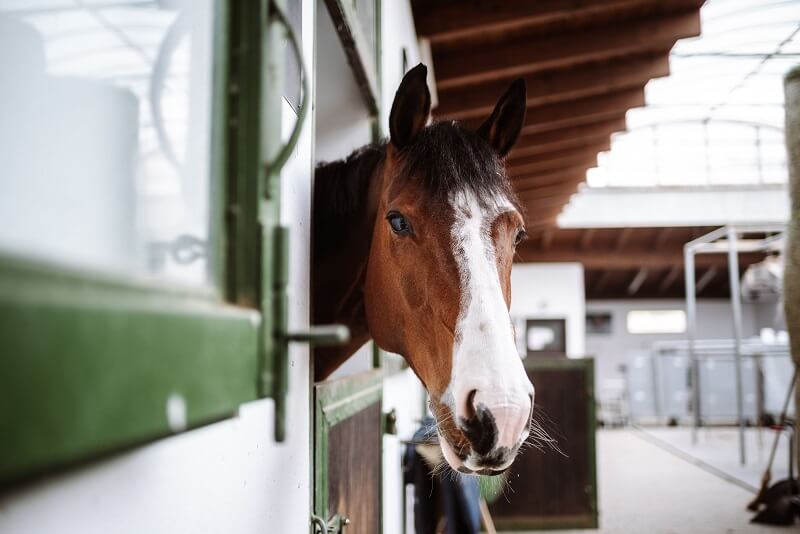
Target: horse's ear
411,107
502,127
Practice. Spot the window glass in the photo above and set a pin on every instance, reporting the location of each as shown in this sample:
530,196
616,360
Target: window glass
656,322
365,12
105,134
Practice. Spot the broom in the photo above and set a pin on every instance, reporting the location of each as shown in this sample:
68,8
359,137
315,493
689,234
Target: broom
766,478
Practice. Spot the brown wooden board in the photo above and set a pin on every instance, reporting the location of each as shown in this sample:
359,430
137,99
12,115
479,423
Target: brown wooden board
354,475
549,489
348,427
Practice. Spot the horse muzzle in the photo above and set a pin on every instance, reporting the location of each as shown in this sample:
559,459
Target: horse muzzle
495,426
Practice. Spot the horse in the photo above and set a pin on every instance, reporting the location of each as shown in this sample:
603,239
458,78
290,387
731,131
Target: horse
413,242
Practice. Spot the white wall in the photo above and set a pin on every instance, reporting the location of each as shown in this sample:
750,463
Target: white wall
714,320
398,33
225,477
404,393
550,290
342,119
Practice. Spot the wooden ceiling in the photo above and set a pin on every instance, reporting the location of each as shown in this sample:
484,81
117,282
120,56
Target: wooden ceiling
633,262
585,62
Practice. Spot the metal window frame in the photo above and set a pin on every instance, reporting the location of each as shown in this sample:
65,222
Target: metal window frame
713,243
90,361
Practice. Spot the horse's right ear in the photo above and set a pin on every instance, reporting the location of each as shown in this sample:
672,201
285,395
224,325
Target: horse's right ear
411,107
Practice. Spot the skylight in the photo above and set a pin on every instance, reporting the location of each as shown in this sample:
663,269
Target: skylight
718,118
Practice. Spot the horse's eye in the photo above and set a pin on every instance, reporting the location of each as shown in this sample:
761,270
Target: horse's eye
521,234
398,223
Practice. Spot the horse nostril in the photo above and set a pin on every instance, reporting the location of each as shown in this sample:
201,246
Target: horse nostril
479,426
471,411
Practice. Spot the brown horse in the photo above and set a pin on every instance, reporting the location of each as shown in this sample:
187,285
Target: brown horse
413,246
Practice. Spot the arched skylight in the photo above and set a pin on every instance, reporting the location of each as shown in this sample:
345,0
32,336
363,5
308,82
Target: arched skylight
718,118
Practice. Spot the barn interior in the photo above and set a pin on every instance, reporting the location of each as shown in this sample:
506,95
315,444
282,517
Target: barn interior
156,374
649,125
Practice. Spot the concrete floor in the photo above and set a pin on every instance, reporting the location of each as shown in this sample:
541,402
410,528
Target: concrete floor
644,489
718,449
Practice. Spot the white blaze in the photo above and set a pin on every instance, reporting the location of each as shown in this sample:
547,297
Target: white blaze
485,357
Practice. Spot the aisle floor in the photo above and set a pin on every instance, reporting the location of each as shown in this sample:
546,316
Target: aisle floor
644,489
718,448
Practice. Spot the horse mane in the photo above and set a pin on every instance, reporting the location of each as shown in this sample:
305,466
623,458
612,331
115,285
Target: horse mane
445,157
341,186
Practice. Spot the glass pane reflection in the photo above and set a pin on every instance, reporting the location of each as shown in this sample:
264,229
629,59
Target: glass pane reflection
105,134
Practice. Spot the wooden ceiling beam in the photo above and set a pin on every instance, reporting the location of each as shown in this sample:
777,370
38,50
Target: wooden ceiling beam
568,138
582,111
548,191
601,282
553,86
537,218
586,238
556,201
557,157
574,158
445,22
623,238
705,279
528,54
577,143
661,238
638,280
672,275
566,175
541,223
547,238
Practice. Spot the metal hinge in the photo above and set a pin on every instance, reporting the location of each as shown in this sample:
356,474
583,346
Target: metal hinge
335,525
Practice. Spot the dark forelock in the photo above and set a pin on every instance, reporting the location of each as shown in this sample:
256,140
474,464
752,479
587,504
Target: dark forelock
446,158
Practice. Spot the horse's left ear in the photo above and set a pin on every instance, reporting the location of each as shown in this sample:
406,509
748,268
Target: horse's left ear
502,127
411,107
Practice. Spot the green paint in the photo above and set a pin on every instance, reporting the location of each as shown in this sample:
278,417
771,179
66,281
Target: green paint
218,197
87,368
243,162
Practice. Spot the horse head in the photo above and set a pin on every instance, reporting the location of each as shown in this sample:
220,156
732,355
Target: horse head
438,287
